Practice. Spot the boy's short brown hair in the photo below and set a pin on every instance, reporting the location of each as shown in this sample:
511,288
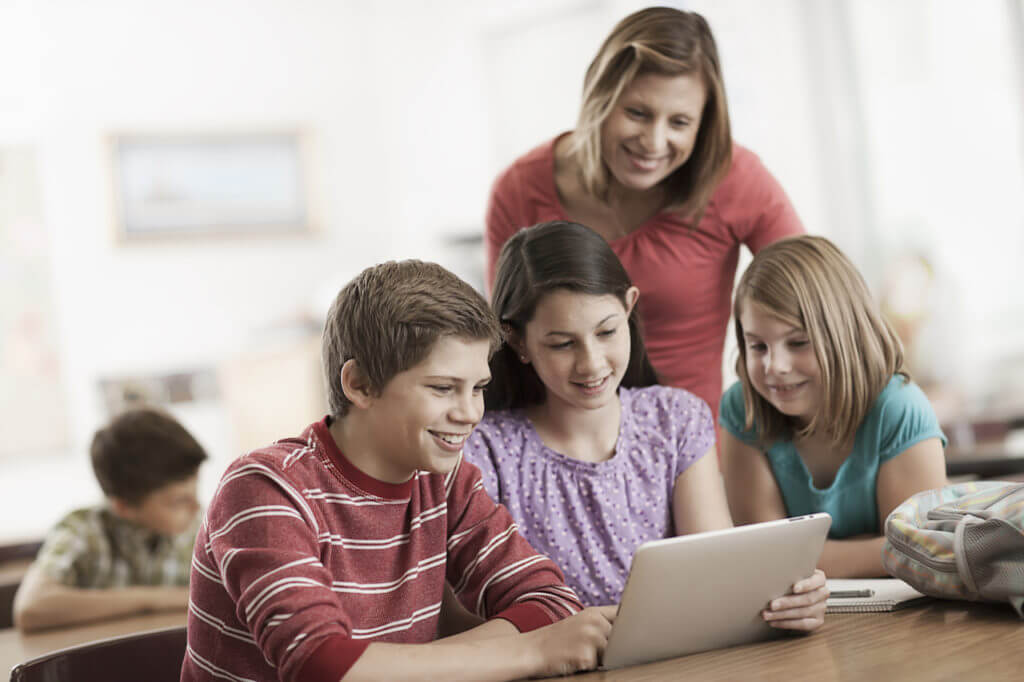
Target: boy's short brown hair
388,318
141,451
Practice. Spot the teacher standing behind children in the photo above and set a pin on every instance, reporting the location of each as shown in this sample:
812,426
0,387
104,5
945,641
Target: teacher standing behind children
652,167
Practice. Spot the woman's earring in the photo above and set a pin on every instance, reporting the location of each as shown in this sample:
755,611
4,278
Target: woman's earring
525,360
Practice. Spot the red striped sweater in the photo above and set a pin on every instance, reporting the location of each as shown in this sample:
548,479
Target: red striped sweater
303,560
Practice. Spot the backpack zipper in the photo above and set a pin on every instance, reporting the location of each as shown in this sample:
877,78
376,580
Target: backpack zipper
914,553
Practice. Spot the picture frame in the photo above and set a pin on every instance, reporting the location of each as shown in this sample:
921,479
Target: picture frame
185,185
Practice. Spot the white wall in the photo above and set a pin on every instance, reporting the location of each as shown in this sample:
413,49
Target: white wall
381,90
412,108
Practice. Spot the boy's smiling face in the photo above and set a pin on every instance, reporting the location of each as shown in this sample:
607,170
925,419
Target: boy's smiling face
422,417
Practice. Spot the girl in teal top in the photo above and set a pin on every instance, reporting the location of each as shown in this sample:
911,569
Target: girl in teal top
823,417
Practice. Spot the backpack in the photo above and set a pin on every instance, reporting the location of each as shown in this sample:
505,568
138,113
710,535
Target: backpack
963,541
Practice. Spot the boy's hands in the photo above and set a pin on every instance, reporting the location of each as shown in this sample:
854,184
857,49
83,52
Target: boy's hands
804,609
575,643
497,652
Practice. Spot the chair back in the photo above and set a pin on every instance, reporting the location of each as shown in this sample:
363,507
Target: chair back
154,656
7,592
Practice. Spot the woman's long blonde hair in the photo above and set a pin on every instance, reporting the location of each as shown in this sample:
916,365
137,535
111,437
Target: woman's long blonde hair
668,42
807,282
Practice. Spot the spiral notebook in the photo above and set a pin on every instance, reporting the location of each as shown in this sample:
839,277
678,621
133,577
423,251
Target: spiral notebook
871,595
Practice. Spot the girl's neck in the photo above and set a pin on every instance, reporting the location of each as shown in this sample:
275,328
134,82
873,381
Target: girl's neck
585,435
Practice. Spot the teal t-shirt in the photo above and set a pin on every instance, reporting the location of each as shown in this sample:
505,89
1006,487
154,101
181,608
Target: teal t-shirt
901,417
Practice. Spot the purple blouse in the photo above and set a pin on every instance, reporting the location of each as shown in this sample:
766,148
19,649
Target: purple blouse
589,518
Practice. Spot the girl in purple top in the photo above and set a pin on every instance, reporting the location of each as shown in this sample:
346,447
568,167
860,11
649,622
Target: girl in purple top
590,456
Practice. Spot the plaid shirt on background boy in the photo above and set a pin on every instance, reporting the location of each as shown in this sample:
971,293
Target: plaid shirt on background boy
94,548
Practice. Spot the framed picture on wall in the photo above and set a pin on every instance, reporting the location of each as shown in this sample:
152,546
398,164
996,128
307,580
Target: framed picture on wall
216,184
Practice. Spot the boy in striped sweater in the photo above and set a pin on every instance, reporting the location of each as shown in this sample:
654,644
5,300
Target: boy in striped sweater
325,556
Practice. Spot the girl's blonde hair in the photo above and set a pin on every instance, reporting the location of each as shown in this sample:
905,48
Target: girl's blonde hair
668,42
807,282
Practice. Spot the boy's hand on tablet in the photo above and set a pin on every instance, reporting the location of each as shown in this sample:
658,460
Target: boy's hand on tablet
803,609
575,643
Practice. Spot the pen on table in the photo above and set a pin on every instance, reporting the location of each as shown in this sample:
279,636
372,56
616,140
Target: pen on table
850,594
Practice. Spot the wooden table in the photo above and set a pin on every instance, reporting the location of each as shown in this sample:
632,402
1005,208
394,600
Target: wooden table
937,641
942,640
16,647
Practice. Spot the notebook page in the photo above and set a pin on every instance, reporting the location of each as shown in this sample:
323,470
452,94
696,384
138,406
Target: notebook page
880,594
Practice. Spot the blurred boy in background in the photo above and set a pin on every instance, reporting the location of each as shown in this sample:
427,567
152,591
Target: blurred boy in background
131,554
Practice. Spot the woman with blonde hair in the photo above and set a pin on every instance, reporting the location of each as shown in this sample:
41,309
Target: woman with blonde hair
652,167
824,418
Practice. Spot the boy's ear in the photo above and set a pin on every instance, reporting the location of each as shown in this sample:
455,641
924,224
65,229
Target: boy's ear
355,385
632,296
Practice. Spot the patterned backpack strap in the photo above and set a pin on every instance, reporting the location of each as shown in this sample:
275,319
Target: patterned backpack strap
989,544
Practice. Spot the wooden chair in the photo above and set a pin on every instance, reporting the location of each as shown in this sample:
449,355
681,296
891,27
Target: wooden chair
154,656
7,592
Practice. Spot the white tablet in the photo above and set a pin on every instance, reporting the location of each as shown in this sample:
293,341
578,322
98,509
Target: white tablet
706,591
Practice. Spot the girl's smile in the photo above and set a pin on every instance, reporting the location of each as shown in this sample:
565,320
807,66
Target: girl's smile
786,391
593,388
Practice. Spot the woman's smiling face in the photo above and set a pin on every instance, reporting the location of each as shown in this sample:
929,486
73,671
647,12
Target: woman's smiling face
652,129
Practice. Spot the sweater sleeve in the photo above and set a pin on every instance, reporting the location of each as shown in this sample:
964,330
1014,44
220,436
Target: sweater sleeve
493,570
263,542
